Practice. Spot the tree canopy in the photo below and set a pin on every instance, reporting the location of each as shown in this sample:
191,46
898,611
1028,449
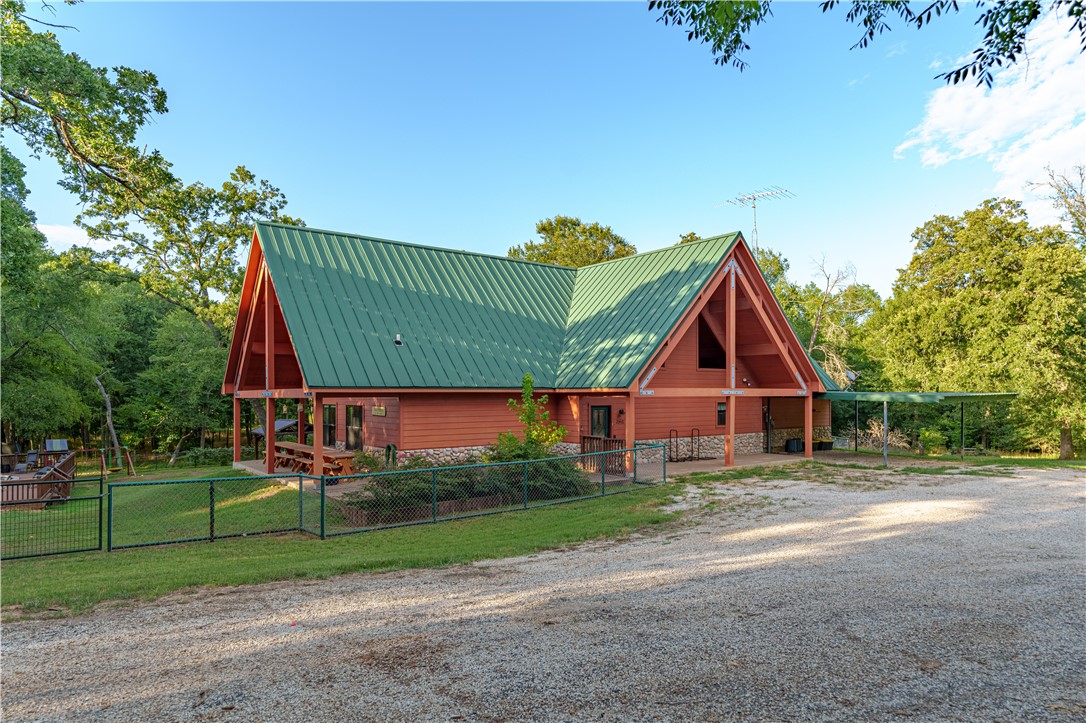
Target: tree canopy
725,25
567,241
991,303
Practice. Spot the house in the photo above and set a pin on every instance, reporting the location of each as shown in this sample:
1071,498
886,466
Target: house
388,343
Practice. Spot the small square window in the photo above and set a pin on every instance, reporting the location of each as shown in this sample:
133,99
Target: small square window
721,414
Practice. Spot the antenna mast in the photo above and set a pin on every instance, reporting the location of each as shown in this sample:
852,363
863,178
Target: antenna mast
751,199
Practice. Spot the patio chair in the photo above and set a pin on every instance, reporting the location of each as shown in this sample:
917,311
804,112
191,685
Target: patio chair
30,463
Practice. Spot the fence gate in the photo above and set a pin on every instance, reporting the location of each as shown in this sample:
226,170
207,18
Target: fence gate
52,517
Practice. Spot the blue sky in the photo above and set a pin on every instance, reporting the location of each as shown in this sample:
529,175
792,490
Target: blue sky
462,125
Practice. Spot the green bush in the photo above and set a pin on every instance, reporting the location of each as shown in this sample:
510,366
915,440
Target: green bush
932,441
215,456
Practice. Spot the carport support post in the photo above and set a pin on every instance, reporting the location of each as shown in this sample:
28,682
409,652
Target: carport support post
856,424
961,450
301,421
885,433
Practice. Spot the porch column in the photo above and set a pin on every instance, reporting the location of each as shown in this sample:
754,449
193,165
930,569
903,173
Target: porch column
237,428
808,426
729,430
301,421
630,436
318,435
269,435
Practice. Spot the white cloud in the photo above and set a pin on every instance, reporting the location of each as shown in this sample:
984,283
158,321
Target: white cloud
62,238
897,49
1033,116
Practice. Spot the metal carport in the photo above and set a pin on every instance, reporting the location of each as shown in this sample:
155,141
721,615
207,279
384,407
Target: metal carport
915,398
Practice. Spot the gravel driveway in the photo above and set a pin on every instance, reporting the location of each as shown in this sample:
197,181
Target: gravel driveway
921,597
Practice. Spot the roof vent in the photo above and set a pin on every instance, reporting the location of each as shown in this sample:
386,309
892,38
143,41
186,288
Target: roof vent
398,341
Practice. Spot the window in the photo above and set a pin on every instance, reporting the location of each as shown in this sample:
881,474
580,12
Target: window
354,427
721,414
710,354
329,425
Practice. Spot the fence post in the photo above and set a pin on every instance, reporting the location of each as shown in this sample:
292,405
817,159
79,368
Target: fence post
301,504
525,485
322,507
433,485
635,464
100,511
109,521
211,508
603,474
664,481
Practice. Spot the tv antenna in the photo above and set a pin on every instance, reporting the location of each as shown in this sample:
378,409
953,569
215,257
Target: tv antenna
751,199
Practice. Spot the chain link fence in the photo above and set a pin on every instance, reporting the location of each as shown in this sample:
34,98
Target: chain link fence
158,512
51,518
166,511
362,502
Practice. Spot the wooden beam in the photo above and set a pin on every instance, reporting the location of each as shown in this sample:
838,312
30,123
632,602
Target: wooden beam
771,329
631,435
250,321
668,345
269,335
301,421
719,393
757,350
280,348
237,429
729,328
729,432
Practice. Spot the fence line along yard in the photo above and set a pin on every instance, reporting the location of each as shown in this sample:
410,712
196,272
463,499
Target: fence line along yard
144,513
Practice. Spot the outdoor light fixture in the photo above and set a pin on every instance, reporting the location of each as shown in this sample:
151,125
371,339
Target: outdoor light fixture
746,381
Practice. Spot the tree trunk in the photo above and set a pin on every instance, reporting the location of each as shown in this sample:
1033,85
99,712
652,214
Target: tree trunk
203,437
109,410
1067,449
177,449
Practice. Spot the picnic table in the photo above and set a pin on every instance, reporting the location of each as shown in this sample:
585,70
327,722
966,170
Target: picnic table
299,458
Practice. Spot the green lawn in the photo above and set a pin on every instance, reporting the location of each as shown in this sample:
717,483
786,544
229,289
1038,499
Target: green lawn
69,584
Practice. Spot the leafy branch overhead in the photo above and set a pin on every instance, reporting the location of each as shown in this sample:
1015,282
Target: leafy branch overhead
725,25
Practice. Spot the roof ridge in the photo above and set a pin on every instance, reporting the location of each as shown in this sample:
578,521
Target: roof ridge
672,247
410,244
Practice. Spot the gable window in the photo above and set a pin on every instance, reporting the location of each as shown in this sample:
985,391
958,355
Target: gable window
710,354
721,414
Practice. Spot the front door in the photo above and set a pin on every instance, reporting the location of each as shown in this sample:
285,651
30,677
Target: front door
600,421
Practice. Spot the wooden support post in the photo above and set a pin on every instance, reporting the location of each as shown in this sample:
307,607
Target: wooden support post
318,435
729,353
808,426
237,429
301,421
269,435
630,433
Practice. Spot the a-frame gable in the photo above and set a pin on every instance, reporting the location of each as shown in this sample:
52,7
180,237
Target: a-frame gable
745,318
262,356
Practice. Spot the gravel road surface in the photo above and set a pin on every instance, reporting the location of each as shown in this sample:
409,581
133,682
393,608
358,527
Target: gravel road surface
896,597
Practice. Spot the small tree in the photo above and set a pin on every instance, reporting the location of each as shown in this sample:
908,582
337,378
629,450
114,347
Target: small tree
540,432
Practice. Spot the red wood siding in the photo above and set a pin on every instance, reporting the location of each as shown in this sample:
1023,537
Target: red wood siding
433,421
681,368
657,416
376,431
788,413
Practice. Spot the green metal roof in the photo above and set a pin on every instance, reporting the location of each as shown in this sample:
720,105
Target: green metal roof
474,321
466,320
623,309
915,397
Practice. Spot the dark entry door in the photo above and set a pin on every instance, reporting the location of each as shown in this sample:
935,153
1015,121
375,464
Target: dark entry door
600,421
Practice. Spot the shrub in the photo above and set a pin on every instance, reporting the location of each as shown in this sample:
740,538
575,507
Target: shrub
199,457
